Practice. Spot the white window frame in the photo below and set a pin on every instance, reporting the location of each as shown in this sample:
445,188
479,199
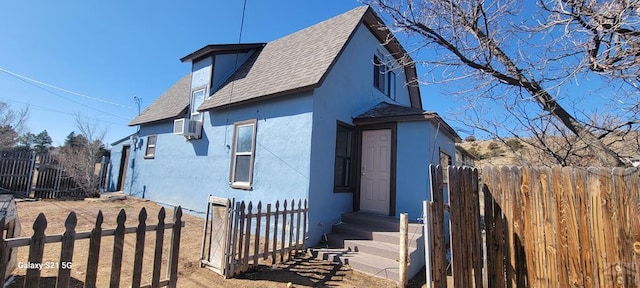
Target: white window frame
147,155
193,109
232,170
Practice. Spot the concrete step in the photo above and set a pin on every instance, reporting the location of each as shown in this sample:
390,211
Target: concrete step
382,249
370,264
364,232
374,265
382,223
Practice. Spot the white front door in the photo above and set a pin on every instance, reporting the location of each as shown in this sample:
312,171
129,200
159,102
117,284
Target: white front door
375,171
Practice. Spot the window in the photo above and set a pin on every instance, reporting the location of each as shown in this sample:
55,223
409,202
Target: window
383,78
391,87
244,142
150,151
342,179
197,98
379,74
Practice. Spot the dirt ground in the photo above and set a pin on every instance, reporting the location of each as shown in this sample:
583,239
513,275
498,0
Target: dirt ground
300,272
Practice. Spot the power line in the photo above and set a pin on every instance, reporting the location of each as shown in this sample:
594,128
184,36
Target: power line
71,100
59,111
25,78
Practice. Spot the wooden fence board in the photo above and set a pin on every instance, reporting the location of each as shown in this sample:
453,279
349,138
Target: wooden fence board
139,252
66,253
36,251
118,247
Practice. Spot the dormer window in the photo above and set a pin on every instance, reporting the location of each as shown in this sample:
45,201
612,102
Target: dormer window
197,98
383,78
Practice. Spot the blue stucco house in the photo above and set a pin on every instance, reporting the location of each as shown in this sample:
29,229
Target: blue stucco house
331,114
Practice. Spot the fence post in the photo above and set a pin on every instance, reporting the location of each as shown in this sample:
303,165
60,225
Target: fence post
427,241
32,168
404,251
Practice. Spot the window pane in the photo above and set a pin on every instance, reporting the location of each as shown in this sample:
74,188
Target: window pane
197,100
392,85
244,138
343,142
344,150
151,140
151,151
243,163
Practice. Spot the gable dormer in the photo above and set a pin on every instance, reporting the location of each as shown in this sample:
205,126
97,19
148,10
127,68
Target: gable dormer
211,66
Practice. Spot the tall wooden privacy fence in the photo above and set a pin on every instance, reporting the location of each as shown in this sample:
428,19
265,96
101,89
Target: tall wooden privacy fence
560,227
238,239
37,242
41,175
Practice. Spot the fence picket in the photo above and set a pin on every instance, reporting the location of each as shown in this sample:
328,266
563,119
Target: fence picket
247,239
94,252
292,211
298,226
157,257
440,265
66,253
118,247
139,252
36,251
256,245
174,248
266,233
275,233
284,229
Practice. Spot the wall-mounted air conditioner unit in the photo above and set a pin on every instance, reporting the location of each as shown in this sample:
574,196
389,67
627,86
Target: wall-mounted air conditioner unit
179,126
190,129
194,130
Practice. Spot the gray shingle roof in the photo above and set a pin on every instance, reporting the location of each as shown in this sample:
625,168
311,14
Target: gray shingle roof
293,63
169,105
386,112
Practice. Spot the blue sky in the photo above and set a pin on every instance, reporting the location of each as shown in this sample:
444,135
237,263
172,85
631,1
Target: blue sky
107,52
115,50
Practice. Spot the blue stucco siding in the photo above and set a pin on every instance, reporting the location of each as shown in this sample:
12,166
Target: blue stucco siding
419,145
201,73
186,172
347,89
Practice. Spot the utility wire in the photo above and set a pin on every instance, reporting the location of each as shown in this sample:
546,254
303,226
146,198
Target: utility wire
68,99
25,78
58,111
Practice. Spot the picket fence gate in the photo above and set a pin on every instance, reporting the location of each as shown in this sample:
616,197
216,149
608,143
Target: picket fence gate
234,241
37,242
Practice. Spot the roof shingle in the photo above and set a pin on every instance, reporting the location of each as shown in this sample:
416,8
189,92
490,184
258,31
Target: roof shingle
292,63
